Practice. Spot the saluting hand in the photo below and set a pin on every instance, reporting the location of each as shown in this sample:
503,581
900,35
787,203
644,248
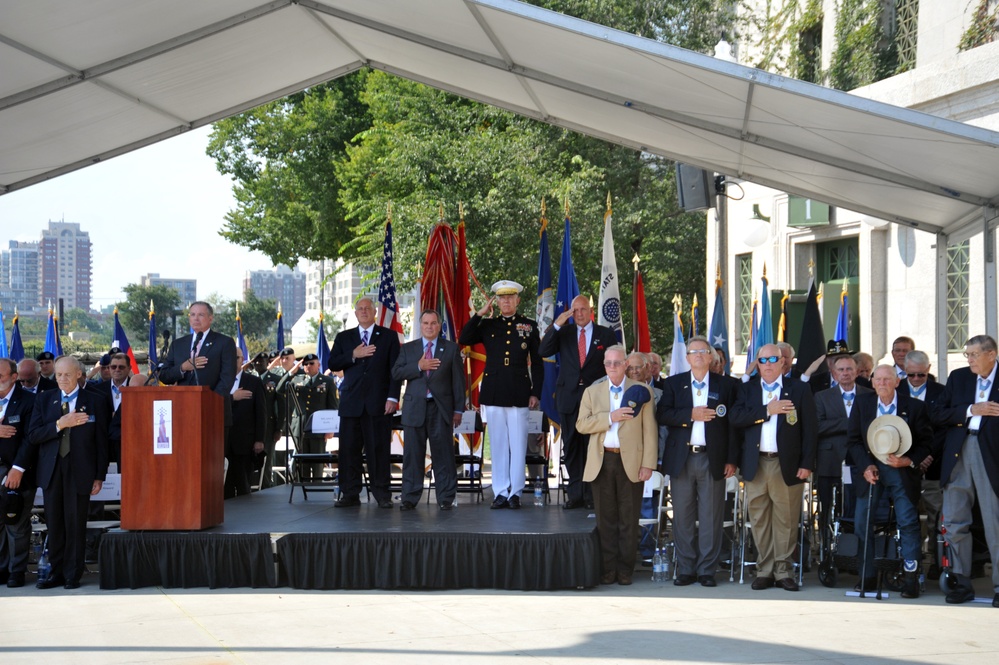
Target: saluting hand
487,308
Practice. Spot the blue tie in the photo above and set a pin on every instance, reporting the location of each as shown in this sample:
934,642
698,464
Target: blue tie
3,400
983,385
770,387
848,398
616,390
916,392
886,412
699,386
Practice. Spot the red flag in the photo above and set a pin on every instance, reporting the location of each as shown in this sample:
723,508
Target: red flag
643,342
475,365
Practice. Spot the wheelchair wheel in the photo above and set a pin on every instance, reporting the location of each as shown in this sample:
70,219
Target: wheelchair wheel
828,574
895,580
948,580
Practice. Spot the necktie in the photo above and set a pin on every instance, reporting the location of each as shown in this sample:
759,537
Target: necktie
64,435
428,354
882,411
364,338
770,387
3,400
582,346
983,385
916,392
848,398
197,343
699,386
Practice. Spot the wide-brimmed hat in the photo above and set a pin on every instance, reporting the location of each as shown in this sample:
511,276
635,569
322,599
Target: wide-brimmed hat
837,347
888,435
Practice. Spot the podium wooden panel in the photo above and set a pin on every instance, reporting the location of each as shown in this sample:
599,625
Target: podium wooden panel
182,490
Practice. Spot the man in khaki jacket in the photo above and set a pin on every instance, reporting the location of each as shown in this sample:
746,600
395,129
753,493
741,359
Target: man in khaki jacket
620,457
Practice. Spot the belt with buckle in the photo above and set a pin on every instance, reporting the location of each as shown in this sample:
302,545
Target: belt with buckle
612,450
768,455
972,431
697,449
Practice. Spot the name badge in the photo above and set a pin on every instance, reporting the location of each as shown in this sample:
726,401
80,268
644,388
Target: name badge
792,417
713,396
13,420
92,419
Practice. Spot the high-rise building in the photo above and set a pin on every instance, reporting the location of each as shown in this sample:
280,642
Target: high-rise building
282,284
187,289
19,275
64,265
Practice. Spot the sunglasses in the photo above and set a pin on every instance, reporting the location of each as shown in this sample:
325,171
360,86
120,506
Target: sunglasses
764,360
119,366
916,375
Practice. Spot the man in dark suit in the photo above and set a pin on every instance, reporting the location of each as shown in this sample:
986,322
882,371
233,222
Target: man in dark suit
701,452
368,398
511,385
70,428
832,408
31,379
312,391
898,474
434,373
120,369
206,358
969,470
777,416
246,436
581,350
17,464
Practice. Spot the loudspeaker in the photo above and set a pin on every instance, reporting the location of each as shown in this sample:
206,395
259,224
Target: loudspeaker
693,188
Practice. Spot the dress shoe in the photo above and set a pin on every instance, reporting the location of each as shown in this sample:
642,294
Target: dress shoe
347,502
624,579
407,505
15,580
514,502
72,584
788,584
707,580
867,585
910,586
995,598
572,504
608,578
684,580
447,505
961,594
761,583
51,582
4,576
385,503
499,502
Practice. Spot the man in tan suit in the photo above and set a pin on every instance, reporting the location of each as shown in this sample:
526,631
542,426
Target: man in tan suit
620,457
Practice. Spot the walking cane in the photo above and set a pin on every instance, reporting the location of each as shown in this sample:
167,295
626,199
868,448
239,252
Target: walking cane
867,533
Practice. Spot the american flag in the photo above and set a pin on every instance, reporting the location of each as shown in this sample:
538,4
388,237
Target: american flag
388,313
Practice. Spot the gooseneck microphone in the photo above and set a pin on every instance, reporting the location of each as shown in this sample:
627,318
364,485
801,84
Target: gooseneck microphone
194,354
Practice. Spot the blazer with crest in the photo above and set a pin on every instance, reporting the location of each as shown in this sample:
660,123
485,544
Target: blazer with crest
17,450
950,410
674,411
88,452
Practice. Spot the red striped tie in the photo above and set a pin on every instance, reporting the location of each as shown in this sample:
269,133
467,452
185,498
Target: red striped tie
582,346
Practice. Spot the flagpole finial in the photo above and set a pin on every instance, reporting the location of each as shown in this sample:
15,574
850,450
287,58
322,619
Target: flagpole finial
811,268
608,200
718,279
388,212
440,208
461,211
567,206
237,310
764,270
635,261
677,303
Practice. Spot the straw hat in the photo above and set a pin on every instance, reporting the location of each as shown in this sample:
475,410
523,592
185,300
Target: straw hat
888,435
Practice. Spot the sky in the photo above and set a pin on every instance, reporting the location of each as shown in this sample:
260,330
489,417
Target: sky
154,210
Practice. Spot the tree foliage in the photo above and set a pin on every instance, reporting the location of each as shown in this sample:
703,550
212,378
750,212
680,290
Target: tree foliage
258,316
316,172
134,312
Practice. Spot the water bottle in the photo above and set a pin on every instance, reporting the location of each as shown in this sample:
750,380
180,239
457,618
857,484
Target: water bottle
657,566
539,493
667,558
44,567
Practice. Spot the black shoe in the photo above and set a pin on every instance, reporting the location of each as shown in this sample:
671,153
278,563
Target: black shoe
4,576
788,584
910,586
72,584
500,502
961,594
51,582
572,504
514,503
385,503
707,580
407,505
447,506
684,580
761,583
995,598
347,502
16,580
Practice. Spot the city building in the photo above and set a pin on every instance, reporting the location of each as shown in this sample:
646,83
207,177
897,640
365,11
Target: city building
283,284
186,288
898,280
65,265
19,276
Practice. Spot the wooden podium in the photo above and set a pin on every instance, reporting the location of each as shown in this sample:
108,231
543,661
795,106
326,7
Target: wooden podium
172,451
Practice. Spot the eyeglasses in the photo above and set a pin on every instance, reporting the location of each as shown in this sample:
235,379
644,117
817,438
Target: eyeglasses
763,360
614,363
916,375
697,352
975,355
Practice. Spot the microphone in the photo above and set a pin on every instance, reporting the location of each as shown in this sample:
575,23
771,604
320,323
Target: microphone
194,354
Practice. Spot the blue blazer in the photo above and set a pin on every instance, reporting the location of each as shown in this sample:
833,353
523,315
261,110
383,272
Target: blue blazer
367,382
88,453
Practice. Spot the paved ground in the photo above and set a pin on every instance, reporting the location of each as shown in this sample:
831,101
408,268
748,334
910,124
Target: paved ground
643,623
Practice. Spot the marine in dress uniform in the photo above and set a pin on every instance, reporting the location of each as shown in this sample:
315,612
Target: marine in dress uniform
312,392
511,385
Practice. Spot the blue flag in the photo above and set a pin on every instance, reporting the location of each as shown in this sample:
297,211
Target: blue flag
718,332
280,330
765,333
16,348
545,314
842,320
322,347
568,288
153,362
240,340
3,335
51,336
751,349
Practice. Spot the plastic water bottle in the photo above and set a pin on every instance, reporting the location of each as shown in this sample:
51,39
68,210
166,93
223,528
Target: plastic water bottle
657,566
44,567
539,493
667,558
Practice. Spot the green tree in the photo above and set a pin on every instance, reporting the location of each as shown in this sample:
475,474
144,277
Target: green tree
133,313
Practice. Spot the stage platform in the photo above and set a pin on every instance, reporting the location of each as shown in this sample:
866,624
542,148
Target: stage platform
267,542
